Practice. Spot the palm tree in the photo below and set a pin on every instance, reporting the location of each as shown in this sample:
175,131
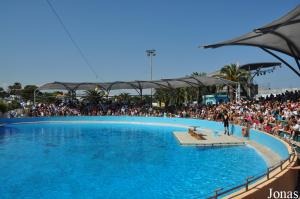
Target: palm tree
124,97
162,95
234,73
3,107
192,93
27,92
179,96
45,98
94,96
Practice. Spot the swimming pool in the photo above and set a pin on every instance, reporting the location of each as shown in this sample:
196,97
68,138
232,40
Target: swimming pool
114,160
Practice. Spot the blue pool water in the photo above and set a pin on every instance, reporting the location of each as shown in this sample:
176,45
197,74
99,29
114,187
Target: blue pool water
85,161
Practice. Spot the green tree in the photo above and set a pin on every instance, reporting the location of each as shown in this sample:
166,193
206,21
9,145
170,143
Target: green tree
27,92
14,105
179,96
234,73
147,99
170,96
94,96
3,93
46,98
124,97
15,89
162,95
3,107
135,99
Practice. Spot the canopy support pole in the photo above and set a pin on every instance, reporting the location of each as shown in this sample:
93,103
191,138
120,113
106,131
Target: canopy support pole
141,94
296,60
34,96
283,61
107,96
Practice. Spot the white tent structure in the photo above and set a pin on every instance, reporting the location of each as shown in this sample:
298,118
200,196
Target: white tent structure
138,85
281,35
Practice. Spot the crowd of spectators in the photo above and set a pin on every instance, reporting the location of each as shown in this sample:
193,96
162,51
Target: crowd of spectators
273,114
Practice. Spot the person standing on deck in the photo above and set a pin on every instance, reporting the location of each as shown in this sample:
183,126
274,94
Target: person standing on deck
226,123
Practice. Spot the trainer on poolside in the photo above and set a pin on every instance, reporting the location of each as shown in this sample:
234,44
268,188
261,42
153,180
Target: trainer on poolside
226,123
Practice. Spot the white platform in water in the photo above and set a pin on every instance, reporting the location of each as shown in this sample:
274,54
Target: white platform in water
211,139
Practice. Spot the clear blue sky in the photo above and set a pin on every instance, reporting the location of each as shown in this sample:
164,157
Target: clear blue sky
114,35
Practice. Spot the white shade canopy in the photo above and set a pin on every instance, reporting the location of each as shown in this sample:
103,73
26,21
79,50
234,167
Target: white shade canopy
190,81
282,35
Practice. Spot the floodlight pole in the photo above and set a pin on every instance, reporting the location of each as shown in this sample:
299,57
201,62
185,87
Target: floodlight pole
151,54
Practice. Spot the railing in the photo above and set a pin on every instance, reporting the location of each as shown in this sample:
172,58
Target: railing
221,192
